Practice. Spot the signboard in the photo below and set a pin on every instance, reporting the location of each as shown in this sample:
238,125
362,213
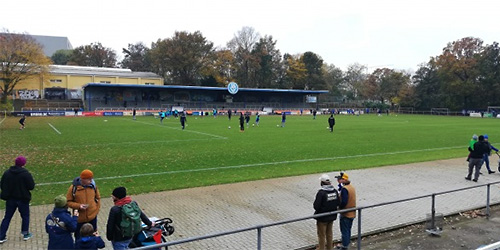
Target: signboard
311,99
29,94
232,87
112,113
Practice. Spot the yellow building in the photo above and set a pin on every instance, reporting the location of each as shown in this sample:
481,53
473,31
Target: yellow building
65,82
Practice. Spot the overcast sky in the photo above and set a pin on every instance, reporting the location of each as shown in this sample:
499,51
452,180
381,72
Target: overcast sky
399,34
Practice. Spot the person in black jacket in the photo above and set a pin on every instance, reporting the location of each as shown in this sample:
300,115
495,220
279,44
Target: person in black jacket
476,157
242,122
16,185
327,200
331,122
113,229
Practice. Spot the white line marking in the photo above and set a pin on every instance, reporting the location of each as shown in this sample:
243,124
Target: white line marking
3,120
191,131
257,165
55,129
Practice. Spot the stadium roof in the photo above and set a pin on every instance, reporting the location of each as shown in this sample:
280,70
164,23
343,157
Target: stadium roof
84,70
296,91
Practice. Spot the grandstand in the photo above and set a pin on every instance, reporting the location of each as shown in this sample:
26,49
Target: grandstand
99,96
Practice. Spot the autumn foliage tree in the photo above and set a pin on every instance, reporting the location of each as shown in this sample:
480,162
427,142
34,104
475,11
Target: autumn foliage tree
21,58
94,55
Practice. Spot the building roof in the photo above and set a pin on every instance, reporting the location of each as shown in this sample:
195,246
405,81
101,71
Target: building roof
51,44
297,91
89,71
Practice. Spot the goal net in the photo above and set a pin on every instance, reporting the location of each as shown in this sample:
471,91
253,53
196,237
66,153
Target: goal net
493,109
440,111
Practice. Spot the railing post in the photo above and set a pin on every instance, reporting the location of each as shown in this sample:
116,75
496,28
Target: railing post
488,201
359,229
433,212
259,238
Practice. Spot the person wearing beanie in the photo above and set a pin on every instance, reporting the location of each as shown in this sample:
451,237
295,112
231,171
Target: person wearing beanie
83,195
327,200
60,225
486,157
476,158
16,184
471,145
114,232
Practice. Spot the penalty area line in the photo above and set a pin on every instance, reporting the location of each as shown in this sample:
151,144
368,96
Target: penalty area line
54,128
257,165
190,131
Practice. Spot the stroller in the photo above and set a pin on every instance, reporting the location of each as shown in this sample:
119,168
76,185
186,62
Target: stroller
498,162
153,235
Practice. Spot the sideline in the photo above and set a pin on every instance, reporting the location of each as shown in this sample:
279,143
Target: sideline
191,131
55,129
3,120
255,165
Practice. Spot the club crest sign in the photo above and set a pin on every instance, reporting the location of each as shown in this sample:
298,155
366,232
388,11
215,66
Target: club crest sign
232,87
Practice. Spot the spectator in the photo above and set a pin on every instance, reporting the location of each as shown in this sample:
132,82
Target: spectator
471,145
347,200
486,157
16,185
83,195
60,225
327,200
114,227
90,238
476,158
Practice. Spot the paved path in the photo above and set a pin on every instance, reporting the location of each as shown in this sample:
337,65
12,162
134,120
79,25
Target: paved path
206,210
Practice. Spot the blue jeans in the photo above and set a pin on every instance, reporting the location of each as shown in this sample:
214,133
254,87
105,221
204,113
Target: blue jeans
10,208
345,230
118,245
486,159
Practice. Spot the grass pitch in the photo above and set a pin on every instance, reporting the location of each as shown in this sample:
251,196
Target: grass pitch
146,156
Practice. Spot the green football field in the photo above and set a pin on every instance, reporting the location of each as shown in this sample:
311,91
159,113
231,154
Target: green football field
146,156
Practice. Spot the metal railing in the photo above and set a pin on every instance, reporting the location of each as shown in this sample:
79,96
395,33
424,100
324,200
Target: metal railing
359,210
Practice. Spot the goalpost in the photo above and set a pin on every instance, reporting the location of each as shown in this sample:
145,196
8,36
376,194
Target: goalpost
405,110
440,111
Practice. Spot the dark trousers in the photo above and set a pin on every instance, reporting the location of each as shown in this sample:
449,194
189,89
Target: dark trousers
10,209
345,230
486,159
79,226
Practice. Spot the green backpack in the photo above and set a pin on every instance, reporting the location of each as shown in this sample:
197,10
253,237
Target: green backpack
131,220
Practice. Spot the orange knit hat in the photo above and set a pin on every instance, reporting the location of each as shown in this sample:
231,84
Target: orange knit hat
86,174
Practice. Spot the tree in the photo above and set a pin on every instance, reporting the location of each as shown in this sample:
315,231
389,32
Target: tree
182,58
489,75
137,58
333,78
314,66
61,57
428,93
94,55
296,72
245,63
270,65
354,78
220,69
386,85
457,67
21,58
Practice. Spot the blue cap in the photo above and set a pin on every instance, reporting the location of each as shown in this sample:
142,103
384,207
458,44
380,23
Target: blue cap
485,136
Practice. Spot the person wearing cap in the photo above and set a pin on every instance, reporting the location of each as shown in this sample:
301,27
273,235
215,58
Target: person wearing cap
327,200
113,228
83,195
60,225
16,184
347,200
486,157
476,158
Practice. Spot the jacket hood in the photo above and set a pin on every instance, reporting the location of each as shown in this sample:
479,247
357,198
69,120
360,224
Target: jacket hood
17,170
77,182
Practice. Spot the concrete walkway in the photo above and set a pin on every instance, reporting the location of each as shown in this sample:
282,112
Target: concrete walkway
206,210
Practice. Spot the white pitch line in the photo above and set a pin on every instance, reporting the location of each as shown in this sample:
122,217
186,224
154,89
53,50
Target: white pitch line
191,131
258,164
55,129
3,120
